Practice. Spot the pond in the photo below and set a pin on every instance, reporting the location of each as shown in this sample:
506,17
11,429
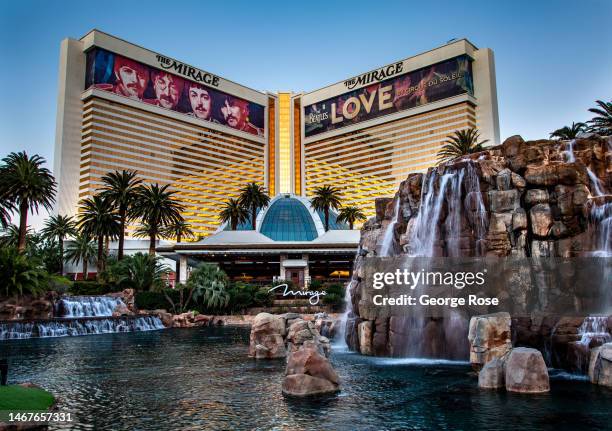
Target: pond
201,378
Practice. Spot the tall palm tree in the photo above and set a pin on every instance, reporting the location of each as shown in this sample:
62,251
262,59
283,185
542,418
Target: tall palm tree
81,249
97,219
602,122
156,207
179,230
121,188
462,142
350,215
59,226
570,132
6,208
326,198
253,196
10,236
28,185
233,213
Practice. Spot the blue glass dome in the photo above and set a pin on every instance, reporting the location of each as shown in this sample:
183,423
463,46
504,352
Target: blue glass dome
287,219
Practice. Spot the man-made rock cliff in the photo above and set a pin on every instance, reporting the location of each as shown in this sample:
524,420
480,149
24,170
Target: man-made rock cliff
520,199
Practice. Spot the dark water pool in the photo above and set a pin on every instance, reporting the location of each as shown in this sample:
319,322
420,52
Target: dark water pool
201,378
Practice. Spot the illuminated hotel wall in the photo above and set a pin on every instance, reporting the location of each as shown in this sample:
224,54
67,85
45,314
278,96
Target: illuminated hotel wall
371,162
284,142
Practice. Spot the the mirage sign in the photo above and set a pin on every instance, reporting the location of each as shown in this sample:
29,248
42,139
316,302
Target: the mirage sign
439,81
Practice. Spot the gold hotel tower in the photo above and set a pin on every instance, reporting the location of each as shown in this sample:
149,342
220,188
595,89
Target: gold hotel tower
358,135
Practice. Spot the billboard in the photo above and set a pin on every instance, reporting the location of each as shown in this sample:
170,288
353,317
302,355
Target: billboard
429,84
125,77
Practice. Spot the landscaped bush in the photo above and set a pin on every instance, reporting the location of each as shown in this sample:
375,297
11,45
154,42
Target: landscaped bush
91,287
21,275
156,300
334,296
263,297
140,272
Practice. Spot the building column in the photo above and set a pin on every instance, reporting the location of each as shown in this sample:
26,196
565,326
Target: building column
183,268
306,271
282,273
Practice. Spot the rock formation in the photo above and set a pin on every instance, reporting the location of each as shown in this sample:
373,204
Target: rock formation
489,338
309,373
525,371
520,199
600,366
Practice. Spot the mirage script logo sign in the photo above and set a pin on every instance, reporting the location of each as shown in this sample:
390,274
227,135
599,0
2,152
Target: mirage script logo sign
314,295
188,71
375,76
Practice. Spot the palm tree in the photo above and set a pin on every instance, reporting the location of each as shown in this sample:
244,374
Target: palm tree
325,198
81,249
462,142
178,230
121,188
209,283
350,215
59,226
28,185
602,122
253,196
10,236
568,133
157,209
233,213
6,208
97,219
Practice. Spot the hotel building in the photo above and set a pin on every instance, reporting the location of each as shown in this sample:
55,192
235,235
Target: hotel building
121,106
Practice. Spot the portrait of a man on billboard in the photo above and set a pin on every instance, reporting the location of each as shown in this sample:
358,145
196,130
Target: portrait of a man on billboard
167,89
200,101
129,78
236,115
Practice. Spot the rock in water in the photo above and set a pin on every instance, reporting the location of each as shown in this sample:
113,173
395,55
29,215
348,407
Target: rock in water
309,373
492,374
489,337
600,365
526,371
266,340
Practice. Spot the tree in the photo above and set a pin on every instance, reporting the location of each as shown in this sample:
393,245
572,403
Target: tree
59,226
157,209
178,230
602,122
6,208
28,185
350,215
568,133
21,274
253,196
209,283
121,188
97,219
140,272
461,143
81,249
234,213
325,198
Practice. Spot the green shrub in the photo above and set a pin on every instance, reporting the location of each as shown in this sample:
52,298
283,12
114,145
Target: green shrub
90,287
315,285
263,297
21,275
333,299
240,299
156,300
335,288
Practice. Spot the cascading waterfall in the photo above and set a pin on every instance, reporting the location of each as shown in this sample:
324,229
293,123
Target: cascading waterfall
388,243
570,157
594,328
87,306
78,326
601,217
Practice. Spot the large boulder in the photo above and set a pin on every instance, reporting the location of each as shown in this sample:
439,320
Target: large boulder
492,374
266,339
309,373
489,337
526,372
600,365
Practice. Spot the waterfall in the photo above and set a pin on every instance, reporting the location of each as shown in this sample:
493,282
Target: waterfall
75,327
594,327
87,306
388,242
341,324
601,217
571,158
424,233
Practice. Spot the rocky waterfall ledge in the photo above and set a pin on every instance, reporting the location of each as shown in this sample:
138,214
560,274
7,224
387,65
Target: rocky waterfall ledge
541,198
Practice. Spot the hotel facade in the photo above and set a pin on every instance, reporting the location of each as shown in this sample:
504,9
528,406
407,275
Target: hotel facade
121,106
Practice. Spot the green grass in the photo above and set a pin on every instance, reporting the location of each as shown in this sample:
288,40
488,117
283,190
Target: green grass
14,398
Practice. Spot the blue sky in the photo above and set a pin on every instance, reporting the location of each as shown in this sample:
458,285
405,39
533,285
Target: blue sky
553,58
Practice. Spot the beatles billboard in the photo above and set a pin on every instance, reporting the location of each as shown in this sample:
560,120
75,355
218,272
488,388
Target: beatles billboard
429,84
193,97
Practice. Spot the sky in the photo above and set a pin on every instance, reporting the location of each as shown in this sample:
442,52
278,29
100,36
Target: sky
553,58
